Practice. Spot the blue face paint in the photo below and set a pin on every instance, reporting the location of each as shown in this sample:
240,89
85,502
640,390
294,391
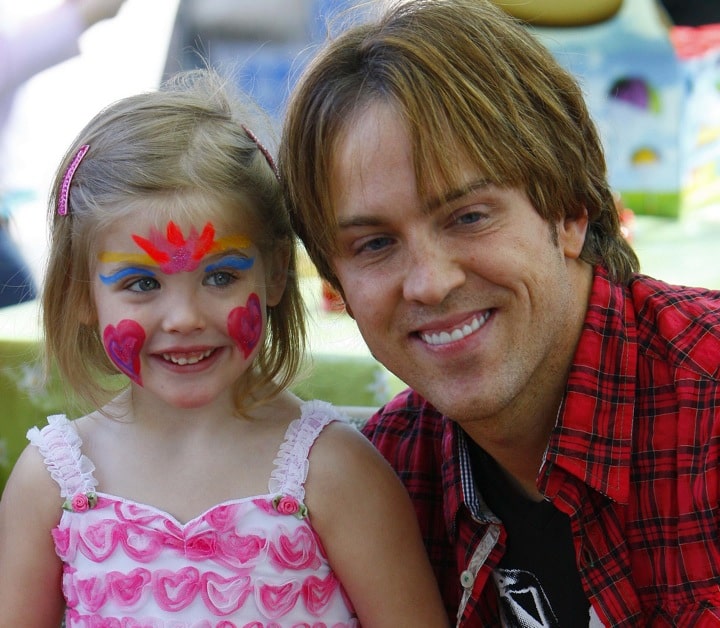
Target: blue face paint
233,262
126,272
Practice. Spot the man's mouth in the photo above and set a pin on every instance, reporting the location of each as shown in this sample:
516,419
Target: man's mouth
446,337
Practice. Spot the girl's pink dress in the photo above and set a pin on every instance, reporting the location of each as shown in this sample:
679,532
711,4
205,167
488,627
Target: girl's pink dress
254,562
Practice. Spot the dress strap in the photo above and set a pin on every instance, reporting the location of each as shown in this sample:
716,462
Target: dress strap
291,464
59,443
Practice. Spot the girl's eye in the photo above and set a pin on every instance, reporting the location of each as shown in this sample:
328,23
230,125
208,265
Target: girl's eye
144,284
220,279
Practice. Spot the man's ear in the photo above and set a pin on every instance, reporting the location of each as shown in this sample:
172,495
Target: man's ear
572,232
277,273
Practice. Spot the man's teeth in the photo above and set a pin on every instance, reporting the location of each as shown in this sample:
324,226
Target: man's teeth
445,337
186,358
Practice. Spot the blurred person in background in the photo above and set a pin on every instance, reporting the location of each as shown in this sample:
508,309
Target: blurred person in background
32,46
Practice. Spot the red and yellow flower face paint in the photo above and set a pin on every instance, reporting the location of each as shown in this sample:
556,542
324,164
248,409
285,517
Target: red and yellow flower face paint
174,252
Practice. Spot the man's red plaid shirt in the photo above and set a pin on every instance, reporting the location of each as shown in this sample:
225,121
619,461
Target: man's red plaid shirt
633,461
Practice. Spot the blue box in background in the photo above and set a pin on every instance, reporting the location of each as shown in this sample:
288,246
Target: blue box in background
633,84
656,108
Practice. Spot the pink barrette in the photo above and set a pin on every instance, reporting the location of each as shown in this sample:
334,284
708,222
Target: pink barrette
263,150
62,208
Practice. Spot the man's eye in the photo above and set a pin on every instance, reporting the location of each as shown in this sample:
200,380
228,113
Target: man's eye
144,284
374,244
469,218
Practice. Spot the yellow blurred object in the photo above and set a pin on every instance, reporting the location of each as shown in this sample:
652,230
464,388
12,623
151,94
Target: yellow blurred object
561,12
644,156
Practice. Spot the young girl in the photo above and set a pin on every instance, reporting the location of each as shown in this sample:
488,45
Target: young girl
205,493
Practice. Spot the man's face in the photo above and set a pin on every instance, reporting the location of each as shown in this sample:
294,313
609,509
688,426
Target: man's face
469,299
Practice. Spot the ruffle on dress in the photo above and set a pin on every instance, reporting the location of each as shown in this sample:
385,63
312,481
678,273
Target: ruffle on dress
291,465
59,443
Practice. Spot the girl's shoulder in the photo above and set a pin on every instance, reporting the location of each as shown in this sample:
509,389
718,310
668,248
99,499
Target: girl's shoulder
342,458
31,488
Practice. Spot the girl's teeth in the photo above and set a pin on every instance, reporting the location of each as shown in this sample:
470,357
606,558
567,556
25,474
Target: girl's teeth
183,359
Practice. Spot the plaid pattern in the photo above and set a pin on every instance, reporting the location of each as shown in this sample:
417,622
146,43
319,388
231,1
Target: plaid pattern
633,461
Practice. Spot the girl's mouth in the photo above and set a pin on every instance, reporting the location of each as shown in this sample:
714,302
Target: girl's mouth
182,359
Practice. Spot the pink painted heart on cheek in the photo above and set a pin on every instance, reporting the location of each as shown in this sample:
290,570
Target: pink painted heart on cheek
245,325
123,344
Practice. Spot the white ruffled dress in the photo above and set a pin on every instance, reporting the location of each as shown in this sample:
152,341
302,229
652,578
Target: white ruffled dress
254,562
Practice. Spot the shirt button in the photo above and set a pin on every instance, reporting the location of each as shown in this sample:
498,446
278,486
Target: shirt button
467,579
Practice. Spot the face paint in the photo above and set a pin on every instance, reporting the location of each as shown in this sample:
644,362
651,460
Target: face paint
231,242
126,272
140,259
173,252
245,325
234,262
123,344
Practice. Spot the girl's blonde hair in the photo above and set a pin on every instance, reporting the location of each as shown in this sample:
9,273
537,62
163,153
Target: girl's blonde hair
189,139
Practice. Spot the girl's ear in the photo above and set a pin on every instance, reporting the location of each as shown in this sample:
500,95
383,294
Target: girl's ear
277,273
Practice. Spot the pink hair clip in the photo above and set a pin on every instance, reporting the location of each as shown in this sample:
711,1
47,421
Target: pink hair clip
263,150
62,207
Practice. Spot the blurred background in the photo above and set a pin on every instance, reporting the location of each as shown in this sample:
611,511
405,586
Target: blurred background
655,97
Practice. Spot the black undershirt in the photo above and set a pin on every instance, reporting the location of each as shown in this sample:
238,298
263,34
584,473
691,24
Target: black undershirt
537,578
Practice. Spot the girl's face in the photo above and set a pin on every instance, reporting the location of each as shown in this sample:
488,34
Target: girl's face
181,308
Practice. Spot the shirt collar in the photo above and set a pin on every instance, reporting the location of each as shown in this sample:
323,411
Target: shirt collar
593,436
458,484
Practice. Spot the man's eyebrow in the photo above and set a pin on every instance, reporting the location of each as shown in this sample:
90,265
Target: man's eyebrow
432,204
456,193
360,221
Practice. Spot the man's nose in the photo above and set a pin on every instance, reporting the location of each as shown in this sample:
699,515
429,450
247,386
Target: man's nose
432,273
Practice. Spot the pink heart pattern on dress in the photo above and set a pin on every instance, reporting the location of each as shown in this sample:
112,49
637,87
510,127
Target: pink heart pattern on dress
294,550
123,344
92,593
176,590
274,601
224,596
127,589
245,325
318,592
99,540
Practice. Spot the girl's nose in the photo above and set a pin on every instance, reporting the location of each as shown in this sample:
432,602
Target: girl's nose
184,314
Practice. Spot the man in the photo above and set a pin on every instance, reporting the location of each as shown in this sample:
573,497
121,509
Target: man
561,436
